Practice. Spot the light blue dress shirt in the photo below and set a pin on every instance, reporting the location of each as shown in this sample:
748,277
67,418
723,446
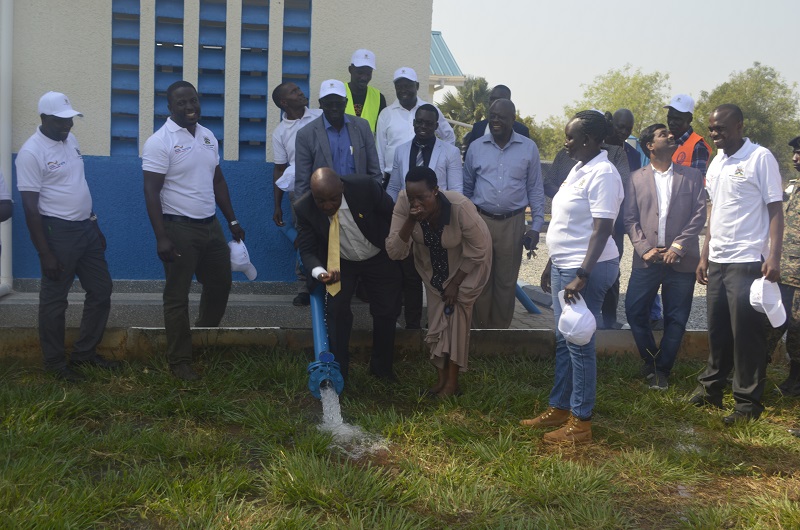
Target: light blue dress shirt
500,181
341,147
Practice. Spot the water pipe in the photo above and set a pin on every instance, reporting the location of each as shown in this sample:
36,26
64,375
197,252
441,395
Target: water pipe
325,370
526,301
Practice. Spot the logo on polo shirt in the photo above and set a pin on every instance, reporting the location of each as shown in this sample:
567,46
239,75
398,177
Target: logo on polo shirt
739,172
206,140
52,166
181,149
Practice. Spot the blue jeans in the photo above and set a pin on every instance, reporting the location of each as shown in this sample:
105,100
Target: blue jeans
677,290
575,385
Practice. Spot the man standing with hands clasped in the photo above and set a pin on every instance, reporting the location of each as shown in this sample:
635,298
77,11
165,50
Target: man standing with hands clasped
183,185
665,210
743,243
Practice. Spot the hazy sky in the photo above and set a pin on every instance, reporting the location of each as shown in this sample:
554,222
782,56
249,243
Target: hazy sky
545,50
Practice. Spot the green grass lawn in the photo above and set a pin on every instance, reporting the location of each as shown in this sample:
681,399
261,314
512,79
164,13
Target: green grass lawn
240,449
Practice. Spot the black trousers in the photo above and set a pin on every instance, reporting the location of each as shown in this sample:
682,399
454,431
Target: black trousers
412,292
381,277
737,336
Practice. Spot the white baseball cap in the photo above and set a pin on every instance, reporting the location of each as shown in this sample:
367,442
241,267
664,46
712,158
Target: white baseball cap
405,72
240,260
681,103
57,104
363,57
576,323
765,297
332,86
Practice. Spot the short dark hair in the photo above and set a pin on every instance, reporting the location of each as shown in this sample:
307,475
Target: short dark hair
422,174
277,93
593,124
176,85
732,109
427,107
648,134
501,87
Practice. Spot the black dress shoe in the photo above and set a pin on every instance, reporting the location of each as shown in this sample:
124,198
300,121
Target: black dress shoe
66,373
698,399
98,362
795,432
738,416
301,300
184,372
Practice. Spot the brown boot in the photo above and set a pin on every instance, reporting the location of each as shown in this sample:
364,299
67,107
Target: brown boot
552,417
575,432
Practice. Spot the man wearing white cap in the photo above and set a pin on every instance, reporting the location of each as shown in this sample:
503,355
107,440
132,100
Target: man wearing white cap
693,150
183,185
363,100
65,232
396,123
743,242
335,140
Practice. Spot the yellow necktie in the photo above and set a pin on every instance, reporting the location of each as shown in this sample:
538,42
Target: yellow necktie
333,254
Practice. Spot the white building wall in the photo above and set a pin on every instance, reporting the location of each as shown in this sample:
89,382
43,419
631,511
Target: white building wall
65,47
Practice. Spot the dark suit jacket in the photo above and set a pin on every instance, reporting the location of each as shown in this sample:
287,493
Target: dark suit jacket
371,208
313,151
479,129
685,218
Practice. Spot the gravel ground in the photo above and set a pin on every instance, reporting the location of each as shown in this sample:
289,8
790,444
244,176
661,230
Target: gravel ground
531,272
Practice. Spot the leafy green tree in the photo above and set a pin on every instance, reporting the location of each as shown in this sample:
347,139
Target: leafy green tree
469,104
769,105
644,94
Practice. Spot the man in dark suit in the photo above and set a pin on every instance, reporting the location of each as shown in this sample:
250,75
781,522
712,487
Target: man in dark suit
335,140
479,129
665,210
362,211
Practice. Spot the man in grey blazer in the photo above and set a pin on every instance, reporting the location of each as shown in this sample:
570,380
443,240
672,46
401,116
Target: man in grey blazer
665,210
335,140
429,151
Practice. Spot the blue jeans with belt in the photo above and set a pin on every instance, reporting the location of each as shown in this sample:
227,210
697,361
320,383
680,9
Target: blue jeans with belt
575,385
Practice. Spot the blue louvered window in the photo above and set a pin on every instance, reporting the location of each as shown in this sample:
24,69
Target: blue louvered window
211,67
253,90
297,43
125,77
168,54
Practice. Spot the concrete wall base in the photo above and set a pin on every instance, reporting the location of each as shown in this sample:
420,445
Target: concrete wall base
147,343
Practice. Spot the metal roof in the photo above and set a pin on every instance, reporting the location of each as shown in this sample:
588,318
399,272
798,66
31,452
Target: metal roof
442,61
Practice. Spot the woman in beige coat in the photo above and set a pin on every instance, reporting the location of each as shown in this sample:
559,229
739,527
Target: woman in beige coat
452,253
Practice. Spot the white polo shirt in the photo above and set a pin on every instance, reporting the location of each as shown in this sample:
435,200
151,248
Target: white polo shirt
54,170
740,187
5,195
283,138
396,127
590,191
189,163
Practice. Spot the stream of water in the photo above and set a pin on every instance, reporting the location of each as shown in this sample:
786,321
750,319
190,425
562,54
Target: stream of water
351,440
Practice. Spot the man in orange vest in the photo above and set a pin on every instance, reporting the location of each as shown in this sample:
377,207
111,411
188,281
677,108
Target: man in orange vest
693,150
363,100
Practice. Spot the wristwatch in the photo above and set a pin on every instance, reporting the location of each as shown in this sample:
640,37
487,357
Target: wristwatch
234,223
582,274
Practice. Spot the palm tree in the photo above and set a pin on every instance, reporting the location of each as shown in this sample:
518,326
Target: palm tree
468,105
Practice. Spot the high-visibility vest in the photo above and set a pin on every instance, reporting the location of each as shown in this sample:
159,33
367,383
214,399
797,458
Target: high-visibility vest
372,105
683,155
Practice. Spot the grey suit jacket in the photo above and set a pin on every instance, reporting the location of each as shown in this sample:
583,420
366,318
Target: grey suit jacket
685,218
445,161
313,151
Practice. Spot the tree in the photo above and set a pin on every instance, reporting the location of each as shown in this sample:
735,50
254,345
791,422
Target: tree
469,104
769,105
644,94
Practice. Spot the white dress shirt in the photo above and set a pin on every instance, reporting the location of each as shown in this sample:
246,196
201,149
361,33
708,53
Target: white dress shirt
353,246
664,193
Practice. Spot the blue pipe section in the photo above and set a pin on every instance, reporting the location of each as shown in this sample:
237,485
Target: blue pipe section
324,370
525,300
